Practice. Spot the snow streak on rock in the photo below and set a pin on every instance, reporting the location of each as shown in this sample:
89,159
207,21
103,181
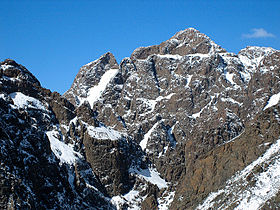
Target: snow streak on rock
144,142
152,103
177,57
95,92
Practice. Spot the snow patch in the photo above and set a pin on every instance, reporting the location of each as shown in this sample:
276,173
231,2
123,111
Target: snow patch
196,115
229,77
252,61
233,139
231,100
267,186
177,57
246,76
103,133
246,61
6,66
150,175
170,135
23,101
160,98
132,198
274,100
165,201
199,55
163,151
62,151
265,144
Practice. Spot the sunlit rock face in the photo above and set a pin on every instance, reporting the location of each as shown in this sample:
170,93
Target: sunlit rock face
180,125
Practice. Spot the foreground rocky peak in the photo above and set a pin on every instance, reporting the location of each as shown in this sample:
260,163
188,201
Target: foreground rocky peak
180,125
39,156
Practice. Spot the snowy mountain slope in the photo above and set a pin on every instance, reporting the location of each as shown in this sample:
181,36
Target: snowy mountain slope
240,194
167,127
90,160
187,96
39,170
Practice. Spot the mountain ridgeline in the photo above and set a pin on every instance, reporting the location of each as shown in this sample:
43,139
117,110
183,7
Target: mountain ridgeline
180,125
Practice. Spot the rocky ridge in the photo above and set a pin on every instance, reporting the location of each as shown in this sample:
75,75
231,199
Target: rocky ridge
180,125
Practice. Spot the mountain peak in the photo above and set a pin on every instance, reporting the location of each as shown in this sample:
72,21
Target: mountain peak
186,31
188,41
107,58
89,76
252,56
180,125
12,69
9,62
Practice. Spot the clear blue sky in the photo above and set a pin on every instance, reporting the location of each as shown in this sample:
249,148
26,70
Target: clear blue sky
53,39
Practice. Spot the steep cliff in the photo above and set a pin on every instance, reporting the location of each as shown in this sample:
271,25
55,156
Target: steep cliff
179,125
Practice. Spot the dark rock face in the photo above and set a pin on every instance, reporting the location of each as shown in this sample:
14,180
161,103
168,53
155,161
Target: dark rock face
31,175
110,163
167,127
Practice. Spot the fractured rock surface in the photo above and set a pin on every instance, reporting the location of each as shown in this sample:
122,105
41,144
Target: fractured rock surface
179,125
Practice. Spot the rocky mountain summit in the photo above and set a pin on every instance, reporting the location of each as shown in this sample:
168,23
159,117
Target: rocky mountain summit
180,125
